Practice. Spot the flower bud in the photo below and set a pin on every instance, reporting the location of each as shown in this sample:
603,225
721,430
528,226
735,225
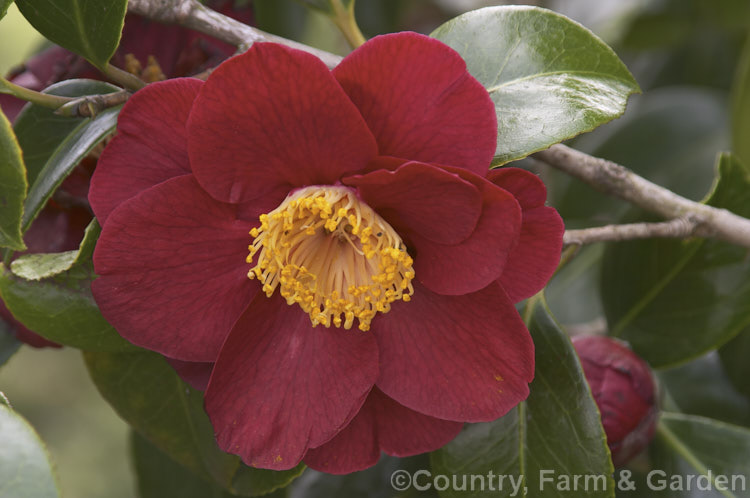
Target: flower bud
624,390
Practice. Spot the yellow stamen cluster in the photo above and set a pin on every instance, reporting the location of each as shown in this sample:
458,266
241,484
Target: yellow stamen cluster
332,255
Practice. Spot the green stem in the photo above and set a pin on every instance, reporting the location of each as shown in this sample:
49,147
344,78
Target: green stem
679,447
123,78
39,98
344,18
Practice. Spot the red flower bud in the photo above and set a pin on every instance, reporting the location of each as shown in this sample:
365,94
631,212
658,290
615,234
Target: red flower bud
623,387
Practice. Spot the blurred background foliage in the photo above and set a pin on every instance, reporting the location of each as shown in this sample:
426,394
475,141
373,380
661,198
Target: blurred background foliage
683,53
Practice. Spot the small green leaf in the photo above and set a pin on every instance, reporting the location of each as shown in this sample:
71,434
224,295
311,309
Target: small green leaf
559,418
40,266
40,131
160,476
77,145
25,469
90,28
12,188
741,106
58,303
690,445
148,394
549,77
4,4
675,300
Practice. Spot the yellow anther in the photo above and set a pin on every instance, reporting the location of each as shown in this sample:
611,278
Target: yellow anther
318,248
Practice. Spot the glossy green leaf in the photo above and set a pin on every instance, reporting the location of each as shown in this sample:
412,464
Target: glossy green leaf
674,300
90,28
77,145
734,357
549,77
702,387
8,342
741,106
25,469
668,136
690,445
4,4
40,266
12,188
558,419
58,303
159,476
40,131
148,394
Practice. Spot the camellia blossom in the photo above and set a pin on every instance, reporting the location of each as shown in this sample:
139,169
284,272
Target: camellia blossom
330,245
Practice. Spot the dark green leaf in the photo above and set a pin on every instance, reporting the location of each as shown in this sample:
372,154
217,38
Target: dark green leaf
550,78
4,4
8,342
734,357
25,469
669,136
40,131
557,429
90,28
148,394
741,106
249,481
687,445
701,387
159,476
58,303
675,300
77,145
12,188
375,482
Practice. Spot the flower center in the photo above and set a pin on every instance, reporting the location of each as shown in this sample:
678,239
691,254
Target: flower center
332,255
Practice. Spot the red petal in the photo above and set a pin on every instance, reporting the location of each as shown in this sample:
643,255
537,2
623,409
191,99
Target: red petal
196,374
423,199
149,147
420,102
480,259
173,271
281,386
533,261
465,358
354,448
274,116
383,424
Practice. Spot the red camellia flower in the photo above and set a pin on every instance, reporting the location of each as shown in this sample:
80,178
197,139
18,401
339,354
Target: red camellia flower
330,244
625,392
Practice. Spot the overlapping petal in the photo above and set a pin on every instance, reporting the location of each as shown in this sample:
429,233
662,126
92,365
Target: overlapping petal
173,276
465,358
480,259
280,387
270,117
150,146
381,424
420,102
537,254
442,208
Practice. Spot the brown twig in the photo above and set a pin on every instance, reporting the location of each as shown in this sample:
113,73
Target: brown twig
678,228
192,14
619,181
